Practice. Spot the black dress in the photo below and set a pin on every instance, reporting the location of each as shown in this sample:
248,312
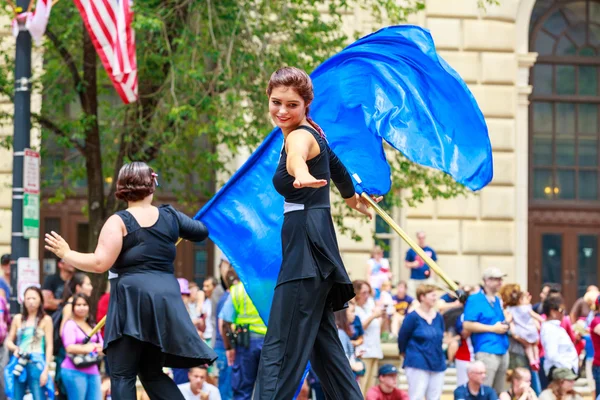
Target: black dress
311,285
145,299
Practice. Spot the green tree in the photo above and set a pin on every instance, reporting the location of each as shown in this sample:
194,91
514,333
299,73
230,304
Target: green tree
202,67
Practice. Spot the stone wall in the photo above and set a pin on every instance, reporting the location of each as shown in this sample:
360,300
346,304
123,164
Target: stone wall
480,230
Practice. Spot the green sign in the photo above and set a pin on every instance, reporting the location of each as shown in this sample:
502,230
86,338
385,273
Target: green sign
31,216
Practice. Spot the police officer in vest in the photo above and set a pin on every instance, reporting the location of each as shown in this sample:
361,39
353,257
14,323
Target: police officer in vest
243,333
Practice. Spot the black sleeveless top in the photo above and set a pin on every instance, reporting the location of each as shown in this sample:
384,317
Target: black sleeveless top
145,300
326,165
309,243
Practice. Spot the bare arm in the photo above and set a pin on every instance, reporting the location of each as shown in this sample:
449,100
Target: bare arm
49,335
12,334
476,327
50,303
109,246
300,146
67,311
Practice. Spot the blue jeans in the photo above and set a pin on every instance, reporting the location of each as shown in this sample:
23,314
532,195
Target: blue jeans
596,375
224,375
81,386
245,368
32,382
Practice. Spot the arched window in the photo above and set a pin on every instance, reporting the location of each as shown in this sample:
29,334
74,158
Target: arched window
564,115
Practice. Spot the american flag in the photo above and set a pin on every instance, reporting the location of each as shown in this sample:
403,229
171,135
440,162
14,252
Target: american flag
108,23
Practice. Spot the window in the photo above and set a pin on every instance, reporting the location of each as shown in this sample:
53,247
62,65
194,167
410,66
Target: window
564,126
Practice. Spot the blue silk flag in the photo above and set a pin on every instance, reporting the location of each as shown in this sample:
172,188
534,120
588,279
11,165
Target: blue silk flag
390,85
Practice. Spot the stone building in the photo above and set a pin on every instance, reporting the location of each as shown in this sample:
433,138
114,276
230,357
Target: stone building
533,68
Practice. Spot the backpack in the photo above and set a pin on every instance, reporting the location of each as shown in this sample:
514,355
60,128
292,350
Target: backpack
56,322
4,315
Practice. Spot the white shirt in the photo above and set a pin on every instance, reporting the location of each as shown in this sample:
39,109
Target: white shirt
208,319
559,350
372,337
213,392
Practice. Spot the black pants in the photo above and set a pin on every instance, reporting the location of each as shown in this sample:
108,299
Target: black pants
129,357
302,327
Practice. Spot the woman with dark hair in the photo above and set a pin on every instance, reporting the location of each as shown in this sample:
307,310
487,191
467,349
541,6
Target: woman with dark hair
147,325
80,283
81,383
343,321
31,334
312,282
559,349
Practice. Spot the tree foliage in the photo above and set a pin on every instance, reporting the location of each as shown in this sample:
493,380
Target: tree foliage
203,67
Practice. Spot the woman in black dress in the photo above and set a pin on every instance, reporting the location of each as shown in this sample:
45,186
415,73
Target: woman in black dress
147,326
313,282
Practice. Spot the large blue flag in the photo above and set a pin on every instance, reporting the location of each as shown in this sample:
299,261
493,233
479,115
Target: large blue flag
390,85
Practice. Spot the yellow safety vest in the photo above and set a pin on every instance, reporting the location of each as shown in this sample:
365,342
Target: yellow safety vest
247,314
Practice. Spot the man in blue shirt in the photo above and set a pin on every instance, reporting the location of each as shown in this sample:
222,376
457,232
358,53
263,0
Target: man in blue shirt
475,389
419,271
484,318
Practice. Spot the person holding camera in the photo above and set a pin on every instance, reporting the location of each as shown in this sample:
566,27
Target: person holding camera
484,319
244,344
30,341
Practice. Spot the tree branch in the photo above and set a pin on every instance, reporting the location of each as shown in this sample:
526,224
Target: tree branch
68,60
46,123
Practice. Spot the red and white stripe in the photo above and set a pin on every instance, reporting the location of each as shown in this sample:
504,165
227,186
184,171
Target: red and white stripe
108,23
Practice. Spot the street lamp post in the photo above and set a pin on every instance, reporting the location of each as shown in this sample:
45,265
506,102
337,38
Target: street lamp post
21,141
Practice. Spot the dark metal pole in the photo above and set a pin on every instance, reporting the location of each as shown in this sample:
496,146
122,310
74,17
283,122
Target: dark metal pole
21,141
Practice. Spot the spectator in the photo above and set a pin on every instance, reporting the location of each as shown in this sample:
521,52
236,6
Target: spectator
484,318
31,333
230,278
197,388
559,349
378,270
419,271
102,308
448,300
344,327
562,386
581,308
546,287
420,342
595,339
81,383
403,304
387,302
4,327
465,354
475,387
358,333
54,285
5,276
525,324
520,386
386,390
207,310
196,299
80,283
370,316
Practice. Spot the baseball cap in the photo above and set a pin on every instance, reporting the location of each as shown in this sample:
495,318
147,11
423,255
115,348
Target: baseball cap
387,369
493,273
184,285
564,374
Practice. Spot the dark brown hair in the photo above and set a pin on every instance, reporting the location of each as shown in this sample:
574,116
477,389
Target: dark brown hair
71,286
90,318
40,312
136,181
298,80
341,321
358,284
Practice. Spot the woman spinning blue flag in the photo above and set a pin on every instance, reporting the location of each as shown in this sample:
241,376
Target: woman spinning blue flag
312,282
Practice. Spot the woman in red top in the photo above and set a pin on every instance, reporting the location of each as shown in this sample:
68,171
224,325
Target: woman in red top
595,334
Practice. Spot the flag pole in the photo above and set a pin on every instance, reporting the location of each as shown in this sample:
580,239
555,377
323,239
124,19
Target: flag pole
432,264
101,323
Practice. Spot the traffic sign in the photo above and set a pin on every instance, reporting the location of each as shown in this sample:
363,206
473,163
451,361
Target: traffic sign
31,216
31,172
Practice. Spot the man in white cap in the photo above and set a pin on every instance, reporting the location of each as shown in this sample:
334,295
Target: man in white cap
484,318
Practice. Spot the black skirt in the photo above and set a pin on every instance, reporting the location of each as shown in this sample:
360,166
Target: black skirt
309,247
147,306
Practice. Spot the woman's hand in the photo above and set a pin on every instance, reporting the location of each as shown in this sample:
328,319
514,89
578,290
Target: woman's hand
305,180
361,205
56,244
44,377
